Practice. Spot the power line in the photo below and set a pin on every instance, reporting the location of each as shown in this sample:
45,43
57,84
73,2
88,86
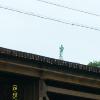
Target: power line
62,6
48,18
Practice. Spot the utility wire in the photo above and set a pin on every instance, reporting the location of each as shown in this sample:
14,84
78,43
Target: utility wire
62,6
48,18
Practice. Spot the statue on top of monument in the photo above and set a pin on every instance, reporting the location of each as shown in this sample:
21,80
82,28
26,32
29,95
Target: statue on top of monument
61,48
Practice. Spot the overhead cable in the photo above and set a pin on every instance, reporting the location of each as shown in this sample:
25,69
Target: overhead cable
62,6
48,18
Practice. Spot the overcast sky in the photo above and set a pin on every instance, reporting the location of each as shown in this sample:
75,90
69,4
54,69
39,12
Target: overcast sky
43,37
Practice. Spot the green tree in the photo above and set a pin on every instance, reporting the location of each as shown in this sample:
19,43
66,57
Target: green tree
94,64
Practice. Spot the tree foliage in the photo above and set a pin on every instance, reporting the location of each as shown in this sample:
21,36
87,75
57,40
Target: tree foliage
94,64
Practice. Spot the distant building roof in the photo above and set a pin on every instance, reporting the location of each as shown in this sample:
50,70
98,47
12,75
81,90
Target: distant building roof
62,65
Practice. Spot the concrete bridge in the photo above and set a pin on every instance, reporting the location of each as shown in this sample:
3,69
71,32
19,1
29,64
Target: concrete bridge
25,76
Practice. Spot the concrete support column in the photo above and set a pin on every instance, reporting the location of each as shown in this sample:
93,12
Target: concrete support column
43,90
